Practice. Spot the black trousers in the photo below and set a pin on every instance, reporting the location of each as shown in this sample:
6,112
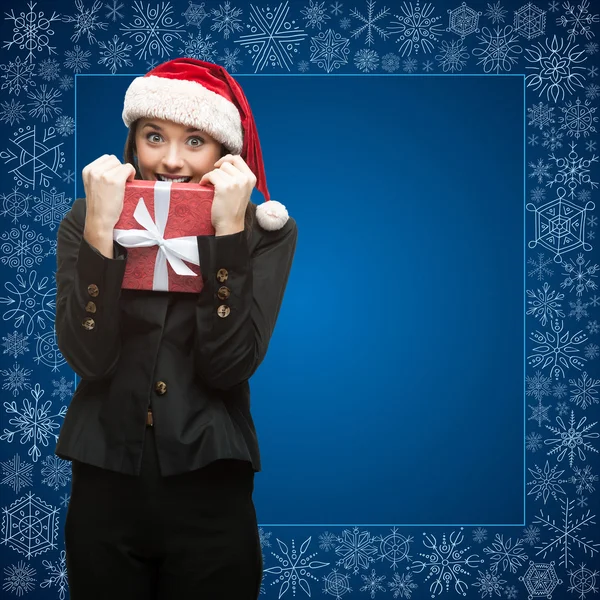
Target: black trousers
193,535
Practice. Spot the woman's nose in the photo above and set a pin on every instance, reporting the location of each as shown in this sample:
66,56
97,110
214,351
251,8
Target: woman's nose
173,159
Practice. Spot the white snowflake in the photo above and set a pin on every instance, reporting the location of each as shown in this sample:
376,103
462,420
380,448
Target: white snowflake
366,60
33,422
500,49
194,14
52,208
273,38
63,388
557,68
66,82
539,413
541,267
225,19
315,14
22,248
44,102
57,575
373,583
30,526
20,578
18,76
417,27
580,275
540,170
546,482
69,176
578,118
402,586
538,386
86,21
230,60
16,380
446,563
295,568
32,31
489,583
153,29
113,10
56,471
49,69
504,555
552,139
557,350
578,22
427,66
584,392
65,125
32,302
530,21
12,113
578,309
584,479
15,344
495,13
303,66
370,23
410,65
533,442
566,533
329,50
336,9
199,47
77,59
47,351
540,115
573,171
538,195
390,62
453,57
356,549
114,54
17,474
544,305
572,438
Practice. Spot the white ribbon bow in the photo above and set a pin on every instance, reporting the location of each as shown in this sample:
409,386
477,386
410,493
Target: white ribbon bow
174,250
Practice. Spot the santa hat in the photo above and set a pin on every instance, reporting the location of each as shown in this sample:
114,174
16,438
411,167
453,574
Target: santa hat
203,95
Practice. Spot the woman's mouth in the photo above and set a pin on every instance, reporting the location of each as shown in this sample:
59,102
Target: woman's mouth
171,179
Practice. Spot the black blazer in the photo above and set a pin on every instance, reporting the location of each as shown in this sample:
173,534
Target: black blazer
168,351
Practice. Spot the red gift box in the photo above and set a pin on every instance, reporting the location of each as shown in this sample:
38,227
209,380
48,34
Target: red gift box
158,226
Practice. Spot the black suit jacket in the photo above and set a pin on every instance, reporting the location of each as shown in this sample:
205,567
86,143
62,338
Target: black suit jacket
135,339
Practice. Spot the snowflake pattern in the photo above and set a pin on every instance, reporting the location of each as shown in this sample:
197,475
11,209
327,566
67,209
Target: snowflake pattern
33,422
153,29
272,36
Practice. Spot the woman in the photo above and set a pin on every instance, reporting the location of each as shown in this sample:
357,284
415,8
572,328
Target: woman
159,430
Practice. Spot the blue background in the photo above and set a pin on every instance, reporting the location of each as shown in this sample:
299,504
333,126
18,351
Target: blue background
393,385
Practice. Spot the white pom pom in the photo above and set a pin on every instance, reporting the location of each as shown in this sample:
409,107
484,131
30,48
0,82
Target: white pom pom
271,215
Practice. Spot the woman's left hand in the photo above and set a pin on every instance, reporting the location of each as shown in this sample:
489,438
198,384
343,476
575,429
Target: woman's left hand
233,181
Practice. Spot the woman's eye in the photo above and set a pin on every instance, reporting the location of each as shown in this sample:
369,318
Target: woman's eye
151,135
197,139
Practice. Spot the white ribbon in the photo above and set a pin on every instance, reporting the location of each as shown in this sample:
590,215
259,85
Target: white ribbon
174,250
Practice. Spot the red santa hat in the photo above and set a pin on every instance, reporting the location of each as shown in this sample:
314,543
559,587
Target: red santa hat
202,94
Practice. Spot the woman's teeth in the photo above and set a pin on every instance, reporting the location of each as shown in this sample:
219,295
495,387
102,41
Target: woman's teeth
178,180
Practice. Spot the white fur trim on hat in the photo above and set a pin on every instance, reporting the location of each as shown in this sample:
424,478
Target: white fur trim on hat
185,102
271,215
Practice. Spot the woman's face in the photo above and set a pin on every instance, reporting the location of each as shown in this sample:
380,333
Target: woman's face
167,150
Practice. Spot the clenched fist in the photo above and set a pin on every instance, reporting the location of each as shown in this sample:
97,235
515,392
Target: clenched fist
104,181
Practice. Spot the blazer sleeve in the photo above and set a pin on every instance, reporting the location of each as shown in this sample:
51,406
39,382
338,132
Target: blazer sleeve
233,332
87,299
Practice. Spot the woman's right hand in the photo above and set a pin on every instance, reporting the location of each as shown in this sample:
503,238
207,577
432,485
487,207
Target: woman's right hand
104,181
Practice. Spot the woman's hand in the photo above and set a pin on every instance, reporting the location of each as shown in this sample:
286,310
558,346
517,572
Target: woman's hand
104,181
234,181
